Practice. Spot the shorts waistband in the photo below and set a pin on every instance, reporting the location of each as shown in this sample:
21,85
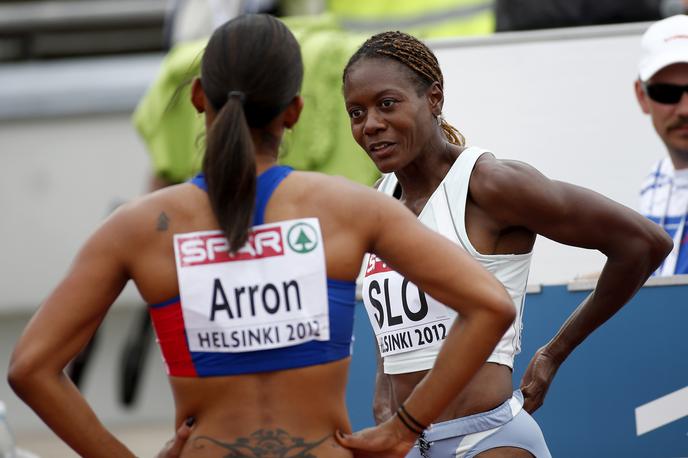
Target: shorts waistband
478,422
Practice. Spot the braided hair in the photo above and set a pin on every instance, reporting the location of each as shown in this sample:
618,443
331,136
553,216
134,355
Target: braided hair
421,62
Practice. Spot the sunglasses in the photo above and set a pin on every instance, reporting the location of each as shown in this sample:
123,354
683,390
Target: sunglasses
665,93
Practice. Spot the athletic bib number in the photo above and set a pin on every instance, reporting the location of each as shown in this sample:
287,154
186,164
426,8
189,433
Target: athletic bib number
272,293
403,317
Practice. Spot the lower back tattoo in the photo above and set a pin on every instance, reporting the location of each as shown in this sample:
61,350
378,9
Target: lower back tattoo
264,444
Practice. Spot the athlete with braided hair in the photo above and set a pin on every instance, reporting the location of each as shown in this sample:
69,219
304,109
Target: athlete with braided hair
493,209
414,55
250,271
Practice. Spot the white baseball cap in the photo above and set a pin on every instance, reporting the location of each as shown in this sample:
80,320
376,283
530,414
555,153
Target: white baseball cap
664,43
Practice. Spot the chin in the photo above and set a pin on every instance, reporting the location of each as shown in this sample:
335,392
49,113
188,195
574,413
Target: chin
679,144
385,167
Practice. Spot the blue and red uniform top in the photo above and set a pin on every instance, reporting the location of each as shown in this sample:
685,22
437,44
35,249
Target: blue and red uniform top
168,320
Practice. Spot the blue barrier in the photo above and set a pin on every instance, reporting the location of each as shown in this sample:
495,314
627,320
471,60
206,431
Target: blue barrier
638,357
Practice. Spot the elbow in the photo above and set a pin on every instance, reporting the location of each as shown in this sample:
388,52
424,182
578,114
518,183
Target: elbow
658,246
666,246
645,248
508,314
22,374
17,377
503,310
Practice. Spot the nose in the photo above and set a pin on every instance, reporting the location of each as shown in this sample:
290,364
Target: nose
682,107
374,123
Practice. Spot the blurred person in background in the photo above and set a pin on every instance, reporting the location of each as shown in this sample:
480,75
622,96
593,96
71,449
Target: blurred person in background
426,19
249,269
333,31
662,92
493,209
515,15
189,21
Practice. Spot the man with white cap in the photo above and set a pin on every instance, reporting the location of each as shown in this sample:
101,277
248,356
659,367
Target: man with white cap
662,91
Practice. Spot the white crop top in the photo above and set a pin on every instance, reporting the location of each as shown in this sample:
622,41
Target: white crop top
409,325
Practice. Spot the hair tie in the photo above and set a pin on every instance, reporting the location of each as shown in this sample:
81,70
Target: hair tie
238,94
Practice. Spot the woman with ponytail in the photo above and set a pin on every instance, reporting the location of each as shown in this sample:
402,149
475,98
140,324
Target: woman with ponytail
249,269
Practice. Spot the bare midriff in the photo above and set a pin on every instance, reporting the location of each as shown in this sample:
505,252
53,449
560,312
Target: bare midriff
292,412
489,388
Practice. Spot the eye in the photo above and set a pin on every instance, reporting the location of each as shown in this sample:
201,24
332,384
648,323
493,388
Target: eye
387,103
355,113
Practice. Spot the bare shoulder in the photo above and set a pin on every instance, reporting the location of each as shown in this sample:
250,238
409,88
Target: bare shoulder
338,193
349,206
325,181
144,217
492,175
496,181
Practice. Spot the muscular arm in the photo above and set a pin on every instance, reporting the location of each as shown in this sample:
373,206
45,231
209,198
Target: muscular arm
62,326
518,195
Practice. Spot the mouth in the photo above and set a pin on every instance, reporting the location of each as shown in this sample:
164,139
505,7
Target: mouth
679,131
380,149
680,126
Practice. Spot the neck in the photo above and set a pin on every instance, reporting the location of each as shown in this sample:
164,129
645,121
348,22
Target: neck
421,177
679,159
264,163
266,144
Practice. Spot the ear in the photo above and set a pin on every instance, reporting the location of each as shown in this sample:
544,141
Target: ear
435,96
642,97
293,111
197,95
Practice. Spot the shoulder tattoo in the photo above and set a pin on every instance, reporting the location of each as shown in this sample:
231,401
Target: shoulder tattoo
163,222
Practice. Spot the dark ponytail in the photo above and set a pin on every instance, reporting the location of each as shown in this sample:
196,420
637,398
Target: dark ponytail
229,166
251,71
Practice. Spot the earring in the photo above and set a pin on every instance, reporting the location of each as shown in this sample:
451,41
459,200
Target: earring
439,119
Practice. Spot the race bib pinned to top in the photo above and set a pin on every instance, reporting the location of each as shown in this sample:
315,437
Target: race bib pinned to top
403,317
271,293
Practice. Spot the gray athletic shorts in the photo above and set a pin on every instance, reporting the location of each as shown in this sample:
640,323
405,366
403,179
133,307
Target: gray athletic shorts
505,426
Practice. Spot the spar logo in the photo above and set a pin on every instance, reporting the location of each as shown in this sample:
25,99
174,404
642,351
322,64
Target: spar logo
375,266
212,247
302,238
